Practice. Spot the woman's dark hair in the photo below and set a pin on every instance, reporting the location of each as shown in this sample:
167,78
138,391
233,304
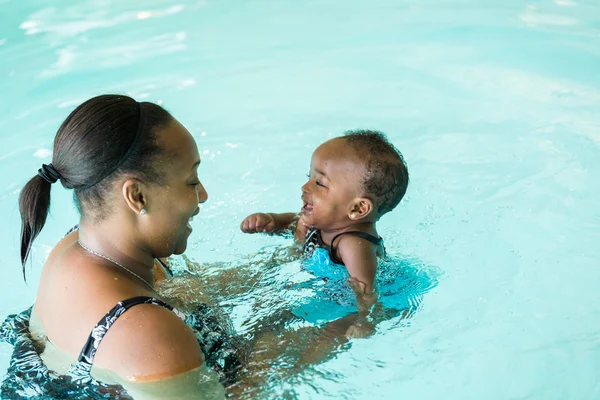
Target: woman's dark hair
104,138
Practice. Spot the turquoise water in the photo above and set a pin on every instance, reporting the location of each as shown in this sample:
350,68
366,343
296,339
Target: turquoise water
496,106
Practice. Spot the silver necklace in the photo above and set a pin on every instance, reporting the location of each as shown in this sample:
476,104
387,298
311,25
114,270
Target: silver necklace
117,264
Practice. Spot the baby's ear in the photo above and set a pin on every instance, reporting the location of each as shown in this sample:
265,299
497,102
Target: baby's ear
361,208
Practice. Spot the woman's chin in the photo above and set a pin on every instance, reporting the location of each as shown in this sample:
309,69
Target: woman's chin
183,243
180,249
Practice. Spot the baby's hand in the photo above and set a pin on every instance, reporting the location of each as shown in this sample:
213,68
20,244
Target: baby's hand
259,222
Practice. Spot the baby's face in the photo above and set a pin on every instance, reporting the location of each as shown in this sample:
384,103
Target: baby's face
333,186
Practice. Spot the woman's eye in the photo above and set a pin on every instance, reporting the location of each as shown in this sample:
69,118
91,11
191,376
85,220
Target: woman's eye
319,184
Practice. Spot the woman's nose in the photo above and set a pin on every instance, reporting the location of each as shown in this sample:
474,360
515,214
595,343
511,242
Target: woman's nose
202,194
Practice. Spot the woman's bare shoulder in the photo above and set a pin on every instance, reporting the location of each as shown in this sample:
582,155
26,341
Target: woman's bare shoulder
148,343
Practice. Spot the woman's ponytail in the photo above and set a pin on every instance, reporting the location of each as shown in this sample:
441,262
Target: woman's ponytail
34,204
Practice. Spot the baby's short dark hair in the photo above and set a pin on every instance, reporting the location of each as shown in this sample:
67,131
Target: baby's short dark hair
386,175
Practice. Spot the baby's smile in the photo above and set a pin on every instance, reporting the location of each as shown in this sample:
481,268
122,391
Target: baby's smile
307,207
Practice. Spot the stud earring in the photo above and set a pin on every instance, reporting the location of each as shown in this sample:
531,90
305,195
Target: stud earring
353,215
143,211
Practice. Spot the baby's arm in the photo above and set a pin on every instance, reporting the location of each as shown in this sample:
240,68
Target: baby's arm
360,257
268,222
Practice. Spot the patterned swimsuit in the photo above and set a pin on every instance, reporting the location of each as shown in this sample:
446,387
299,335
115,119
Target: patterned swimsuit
28,377
325,294
315,241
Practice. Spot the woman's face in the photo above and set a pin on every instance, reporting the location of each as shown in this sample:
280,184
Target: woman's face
170,206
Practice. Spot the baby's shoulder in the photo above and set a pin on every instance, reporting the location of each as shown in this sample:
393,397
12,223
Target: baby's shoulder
355,246
356,241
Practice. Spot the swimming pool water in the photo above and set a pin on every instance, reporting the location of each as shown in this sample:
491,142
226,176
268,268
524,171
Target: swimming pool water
495,105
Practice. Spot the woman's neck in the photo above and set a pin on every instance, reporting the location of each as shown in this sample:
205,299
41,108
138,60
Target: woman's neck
119,245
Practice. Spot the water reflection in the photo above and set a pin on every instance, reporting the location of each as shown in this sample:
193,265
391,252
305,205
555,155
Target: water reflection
289,318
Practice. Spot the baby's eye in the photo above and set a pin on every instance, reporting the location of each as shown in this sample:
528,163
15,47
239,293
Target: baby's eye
319,183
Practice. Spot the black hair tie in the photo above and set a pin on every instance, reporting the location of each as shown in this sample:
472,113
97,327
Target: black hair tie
48,173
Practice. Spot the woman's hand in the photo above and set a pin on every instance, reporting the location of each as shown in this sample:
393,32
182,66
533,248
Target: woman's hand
362,328
259,222
365,302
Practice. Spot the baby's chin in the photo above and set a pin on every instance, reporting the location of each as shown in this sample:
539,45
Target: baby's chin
309,222
306,220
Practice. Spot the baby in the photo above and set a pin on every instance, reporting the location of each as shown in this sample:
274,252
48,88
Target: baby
354,180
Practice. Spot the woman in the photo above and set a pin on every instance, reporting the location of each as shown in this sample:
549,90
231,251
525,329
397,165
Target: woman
133,169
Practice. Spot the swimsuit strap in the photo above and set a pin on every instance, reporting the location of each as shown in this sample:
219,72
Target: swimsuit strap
166,267
86,357
73,229
363,235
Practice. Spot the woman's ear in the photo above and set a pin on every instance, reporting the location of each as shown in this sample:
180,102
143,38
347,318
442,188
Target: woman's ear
360,209
134,195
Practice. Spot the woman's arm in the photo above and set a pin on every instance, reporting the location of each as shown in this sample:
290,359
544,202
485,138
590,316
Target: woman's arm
149,343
